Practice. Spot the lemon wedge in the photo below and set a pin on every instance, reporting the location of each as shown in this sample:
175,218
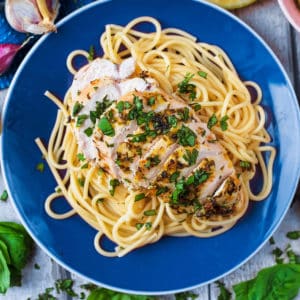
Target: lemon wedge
232,4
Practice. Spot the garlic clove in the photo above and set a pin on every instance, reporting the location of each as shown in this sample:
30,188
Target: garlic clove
7,54
34,16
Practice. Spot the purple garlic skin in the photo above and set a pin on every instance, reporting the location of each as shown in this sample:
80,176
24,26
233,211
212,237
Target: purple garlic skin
32,16
7,54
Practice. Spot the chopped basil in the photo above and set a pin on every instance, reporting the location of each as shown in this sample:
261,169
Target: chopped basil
113,183
201,176
80,156
148,225
40,167
202,74
91,55
137,138
118,162
223,123
245,164
174,176
185,87
76,108
191,156
161,190
172,120
152,161
105,126
81,119
139,197
81,181
138,103
85,166
139,226
89,131
196,106
120,106
150,212
4,195
293,235
186,137
127,104
212,121
151,101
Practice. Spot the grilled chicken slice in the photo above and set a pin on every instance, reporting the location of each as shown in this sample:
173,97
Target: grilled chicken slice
149,140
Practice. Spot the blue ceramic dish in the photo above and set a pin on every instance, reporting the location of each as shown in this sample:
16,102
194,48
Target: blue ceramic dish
172,264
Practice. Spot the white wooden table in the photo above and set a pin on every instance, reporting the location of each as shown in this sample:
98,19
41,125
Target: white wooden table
265,18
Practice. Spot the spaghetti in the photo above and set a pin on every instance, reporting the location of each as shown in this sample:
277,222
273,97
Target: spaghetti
170,56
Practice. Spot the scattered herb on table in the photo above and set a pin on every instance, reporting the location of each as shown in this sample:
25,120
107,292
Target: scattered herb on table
224,292
293,235
4,195
186,296
37,266
40,167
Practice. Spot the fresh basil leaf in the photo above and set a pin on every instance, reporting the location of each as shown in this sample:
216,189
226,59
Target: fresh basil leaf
4,274
5,253
18,242
277,282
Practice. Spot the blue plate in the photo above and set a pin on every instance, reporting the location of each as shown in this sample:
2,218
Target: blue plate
172,264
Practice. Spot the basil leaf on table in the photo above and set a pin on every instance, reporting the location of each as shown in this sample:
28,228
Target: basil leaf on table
277,282
4,274
104,294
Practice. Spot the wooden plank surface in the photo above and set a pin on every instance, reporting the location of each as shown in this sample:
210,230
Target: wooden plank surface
265,18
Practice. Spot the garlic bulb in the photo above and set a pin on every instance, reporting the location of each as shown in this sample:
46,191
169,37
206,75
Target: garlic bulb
8,53
34,16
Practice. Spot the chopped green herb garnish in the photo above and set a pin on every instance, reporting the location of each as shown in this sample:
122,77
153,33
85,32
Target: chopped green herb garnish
174,176
138,103
185,87
161,190
113,183
81,181
172,120
277,252
120,106
37,266
151,101
81,119
223,123
4,196
293,235
89,131
40,167
137,138
185,114
91,53
196,106
127,104
224,292
212,121
152,161
76,108
148,225
85,166
186,137
80,157
186,296
191,156
202,74
150,212
245,164
139,197
105,126
139,226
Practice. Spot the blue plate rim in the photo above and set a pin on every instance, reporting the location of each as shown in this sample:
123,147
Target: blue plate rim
132,291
